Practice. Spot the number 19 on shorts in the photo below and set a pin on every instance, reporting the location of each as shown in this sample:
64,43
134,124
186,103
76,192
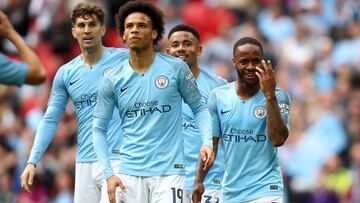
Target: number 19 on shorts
177,194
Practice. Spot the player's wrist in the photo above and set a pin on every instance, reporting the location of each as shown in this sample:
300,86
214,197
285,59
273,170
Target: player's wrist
109,176
11,35
198,181
270,97
209,145
31,163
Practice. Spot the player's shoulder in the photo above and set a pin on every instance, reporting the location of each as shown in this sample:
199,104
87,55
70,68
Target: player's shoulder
169,60
282,95
224,89
117,51
213,78
116,71
73,64
279,91
69,68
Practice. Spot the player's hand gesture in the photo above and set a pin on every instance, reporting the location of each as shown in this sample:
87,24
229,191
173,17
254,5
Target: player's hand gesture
112,183
27,177
266,78
208,157
5,25
197,192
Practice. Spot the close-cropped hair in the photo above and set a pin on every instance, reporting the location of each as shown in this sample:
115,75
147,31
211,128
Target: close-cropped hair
83,9
141,6
247,40
186,28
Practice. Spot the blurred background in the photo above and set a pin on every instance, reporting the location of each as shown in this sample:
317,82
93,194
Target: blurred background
313,44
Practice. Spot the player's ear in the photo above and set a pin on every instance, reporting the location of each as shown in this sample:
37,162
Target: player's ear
167,50
103,30
154,34
199,50
73,32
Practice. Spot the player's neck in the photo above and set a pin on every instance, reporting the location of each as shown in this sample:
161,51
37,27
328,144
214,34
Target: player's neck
195,70
90,58
246,91
141,60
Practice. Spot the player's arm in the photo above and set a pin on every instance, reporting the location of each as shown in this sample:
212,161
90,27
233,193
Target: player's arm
201,172
36,72
46,129
276,127
102,116
192,96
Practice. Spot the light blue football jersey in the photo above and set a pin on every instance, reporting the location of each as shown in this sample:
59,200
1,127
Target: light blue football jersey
252,169
81,83
206,82
12,72
150,105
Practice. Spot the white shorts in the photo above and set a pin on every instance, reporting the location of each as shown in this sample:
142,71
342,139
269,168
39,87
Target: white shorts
267,199
154,189
209,196
90,186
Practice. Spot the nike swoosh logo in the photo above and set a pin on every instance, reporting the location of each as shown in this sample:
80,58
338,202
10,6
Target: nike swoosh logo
71,83
123,89
224,112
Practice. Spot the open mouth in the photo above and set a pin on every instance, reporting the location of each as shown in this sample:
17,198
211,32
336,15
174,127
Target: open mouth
87,39
250,76
182,57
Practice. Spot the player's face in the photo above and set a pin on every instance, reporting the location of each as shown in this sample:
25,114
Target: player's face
185,46
245,59
89,32
139,32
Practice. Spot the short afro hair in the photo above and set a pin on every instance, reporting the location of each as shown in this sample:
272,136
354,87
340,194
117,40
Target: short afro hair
186,28
146,7
247,40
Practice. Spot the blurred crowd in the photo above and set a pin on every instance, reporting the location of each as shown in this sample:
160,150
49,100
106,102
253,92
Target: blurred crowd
313,44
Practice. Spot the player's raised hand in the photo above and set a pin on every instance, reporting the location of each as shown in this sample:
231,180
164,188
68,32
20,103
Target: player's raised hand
5,25
197,192
208,157
112,183
27,177
266,78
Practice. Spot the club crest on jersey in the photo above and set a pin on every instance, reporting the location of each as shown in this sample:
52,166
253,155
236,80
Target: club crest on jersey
260,112
161,82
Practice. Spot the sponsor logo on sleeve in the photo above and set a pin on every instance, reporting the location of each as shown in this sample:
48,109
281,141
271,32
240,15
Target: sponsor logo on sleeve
284,109
191,78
